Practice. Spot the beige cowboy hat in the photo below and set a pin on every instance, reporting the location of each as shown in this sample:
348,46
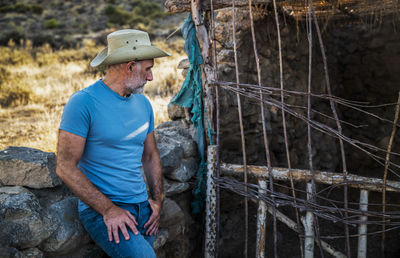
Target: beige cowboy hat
127,45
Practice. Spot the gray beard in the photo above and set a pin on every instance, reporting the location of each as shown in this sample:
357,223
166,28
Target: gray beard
136,90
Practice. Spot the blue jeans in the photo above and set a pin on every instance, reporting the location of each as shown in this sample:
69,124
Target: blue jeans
140,245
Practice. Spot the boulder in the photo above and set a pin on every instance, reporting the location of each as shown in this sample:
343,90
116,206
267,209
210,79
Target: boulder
23,222
171,214
185,171
32,253
10,252
173,187
70,234
28,167
176,112
160,239
170,154
177,135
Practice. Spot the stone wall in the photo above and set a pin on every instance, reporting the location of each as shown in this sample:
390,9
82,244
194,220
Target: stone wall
38,213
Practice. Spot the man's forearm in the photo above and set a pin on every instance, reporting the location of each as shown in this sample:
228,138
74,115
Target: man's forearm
152,170
84,189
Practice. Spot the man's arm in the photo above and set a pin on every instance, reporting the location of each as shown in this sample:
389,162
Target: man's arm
152,169
69,152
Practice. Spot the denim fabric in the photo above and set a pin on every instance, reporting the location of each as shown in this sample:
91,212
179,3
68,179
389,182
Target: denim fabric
140,246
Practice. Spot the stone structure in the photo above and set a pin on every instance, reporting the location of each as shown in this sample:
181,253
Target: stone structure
38,214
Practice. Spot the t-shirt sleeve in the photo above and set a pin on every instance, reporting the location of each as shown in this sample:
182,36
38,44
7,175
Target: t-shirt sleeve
76,116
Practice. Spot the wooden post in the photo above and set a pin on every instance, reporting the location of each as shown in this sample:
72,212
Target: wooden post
211,205
362,228
309,228
261,221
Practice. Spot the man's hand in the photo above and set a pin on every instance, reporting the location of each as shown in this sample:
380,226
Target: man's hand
154,220
116,218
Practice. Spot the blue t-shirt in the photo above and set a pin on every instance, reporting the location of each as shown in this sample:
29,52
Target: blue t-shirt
115,129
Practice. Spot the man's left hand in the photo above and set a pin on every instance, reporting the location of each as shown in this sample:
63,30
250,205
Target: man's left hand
154,220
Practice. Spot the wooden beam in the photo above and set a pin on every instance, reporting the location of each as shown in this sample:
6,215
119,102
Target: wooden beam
180,6
329,178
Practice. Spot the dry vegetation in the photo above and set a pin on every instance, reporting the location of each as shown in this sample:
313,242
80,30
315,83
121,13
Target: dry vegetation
35,84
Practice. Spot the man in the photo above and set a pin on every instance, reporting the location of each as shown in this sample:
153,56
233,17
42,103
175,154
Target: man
105,137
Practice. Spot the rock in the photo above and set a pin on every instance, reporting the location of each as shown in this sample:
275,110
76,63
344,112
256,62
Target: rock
186,170
23,222
178,136
33,253
175,111
10,252
184,64
28,167
171,213
173,188
160,239
87,251
70,234
170,154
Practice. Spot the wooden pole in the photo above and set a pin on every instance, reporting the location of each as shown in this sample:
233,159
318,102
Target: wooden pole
261,221
362,228
309,228
329,178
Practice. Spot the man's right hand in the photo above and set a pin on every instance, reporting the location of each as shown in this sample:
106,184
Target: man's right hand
116,219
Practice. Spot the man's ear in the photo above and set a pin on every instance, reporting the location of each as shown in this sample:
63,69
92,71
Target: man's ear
131,65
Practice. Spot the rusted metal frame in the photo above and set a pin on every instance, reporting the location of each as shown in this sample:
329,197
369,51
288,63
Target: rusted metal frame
323,177
389,148
362,228
284,122
332,104
265,135
261,220
215,69
211,205
243,141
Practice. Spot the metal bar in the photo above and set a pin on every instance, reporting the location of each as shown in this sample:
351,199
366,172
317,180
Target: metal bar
329,178
362,228
389,149
261,221
309,236
211,225
215,69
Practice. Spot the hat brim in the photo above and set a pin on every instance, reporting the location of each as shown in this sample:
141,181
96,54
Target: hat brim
126,54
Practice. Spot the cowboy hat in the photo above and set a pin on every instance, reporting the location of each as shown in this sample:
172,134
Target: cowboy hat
127,45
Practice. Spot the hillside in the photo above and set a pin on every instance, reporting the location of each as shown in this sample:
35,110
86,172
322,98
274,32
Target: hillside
64,23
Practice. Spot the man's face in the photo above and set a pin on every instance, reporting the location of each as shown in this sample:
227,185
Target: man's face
141,73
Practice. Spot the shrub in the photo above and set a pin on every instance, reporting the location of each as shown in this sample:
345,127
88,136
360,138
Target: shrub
51,23
22,8
117,15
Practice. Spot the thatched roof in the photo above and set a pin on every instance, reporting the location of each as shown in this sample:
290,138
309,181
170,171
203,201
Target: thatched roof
298,8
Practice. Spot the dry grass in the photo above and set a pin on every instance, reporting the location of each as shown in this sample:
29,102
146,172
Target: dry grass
35,84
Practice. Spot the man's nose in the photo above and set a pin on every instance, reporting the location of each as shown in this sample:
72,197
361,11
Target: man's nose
149,76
